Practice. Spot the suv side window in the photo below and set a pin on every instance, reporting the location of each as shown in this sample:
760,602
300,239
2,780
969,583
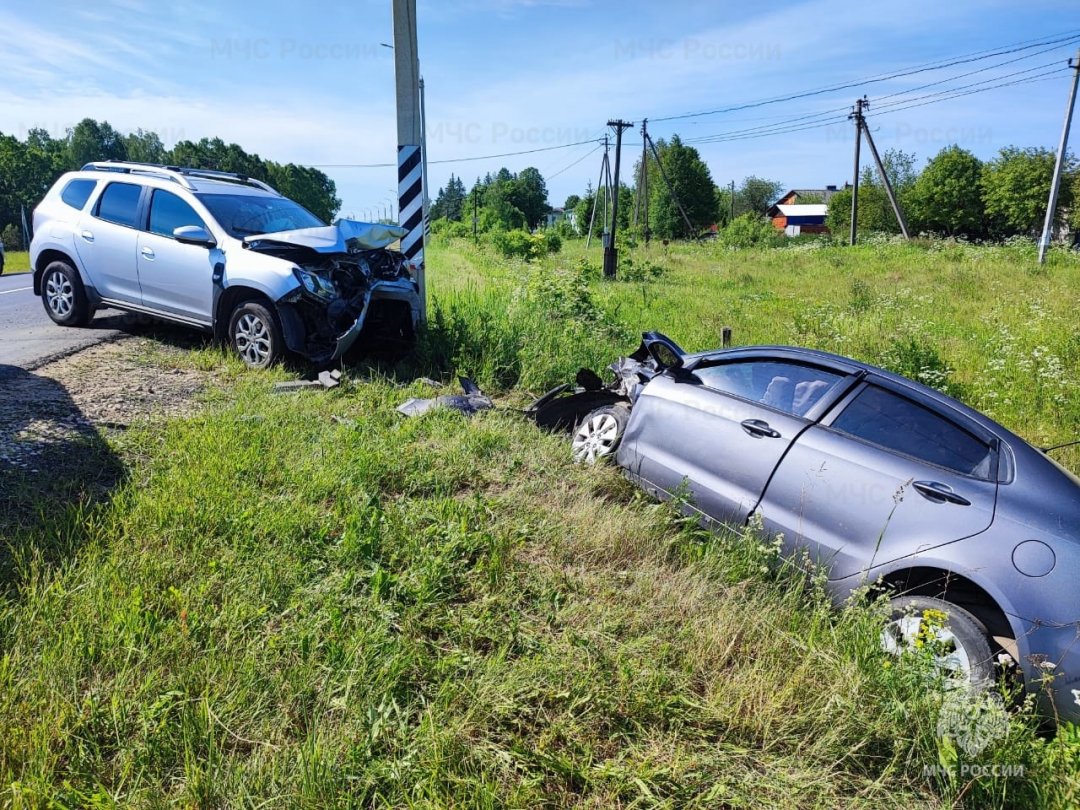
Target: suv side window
168,212
77,192
119,203
779,384
896,423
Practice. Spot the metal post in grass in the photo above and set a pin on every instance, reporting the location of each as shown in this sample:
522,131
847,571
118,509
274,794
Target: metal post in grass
1055,186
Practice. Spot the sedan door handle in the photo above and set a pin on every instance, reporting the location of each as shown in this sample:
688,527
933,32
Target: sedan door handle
940,493
87,235
148,253
760,428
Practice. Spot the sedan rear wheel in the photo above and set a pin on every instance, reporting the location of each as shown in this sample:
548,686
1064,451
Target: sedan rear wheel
598,435
953,637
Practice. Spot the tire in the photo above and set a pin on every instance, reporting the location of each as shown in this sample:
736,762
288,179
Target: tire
965,644
255,335
63,295
599,434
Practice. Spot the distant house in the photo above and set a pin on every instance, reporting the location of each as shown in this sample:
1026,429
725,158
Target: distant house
795,218
557,215
798,196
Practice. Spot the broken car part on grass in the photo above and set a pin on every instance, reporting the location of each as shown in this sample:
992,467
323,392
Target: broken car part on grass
471,401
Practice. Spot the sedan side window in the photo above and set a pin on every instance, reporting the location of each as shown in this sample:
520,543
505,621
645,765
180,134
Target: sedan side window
119,203
785,386
896,423
168,212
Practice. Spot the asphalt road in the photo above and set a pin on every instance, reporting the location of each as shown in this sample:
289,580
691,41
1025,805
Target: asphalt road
28,337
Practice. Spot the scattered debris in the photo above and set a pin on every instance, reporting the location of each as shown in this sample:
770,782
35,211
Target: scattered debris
472,401
326,379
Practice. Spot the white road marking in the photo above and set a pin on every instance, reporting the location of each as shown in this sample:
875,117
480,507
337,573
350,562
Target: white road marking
17,289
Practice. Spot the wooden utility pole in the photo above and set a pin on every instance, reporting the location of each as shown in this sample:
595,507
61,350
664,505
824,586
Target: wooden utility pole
411,212
605,182
1055,186
858,117
611,253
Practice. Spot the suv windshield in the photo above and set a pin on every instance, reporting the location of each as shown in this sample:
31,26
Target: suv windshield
246,214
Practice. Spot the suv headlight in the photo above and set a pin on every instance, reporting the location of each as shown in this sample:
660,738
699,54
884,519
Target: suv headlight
315,284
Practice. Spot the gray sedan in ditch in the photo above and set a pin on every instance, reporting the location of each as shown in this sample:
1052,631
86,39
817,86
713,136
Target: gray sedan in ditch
880,479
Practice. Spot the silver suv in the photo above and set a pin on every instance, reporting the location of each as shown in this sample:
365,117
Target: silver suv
223,253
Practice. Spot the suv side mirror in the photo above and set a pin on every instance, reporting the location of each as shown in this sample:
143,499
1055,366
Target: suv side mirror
194,235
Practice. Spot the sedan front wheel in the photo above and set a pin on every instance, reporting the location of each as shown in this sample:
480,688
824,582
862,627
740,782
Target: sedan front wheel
599,434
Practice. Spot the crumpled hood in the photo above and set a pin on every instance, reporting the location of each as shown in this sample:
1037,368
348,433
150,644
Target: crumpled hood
343,236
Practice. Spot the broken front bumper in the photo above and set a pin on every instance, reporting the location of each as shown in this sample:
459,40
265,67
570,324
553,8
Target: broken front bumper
402,290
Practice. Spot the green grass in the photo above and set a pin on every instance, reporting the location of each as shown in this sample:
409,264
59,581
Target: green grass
16,262
308,601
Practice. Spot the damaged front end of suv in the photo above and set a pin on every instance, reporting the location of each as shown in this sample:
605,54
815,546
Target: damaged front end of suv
349,287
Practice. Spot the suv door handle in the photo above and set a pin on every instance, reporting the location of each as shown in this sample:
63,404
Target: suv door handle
87,235
760,428
147,252
940,493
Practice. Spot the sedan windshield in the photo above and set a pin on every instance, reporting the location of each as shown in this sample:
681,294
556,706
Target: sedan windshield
247,214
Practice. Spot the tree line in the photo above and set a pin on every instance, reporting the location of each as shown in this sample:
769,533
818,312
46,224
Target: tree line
956,194
29,167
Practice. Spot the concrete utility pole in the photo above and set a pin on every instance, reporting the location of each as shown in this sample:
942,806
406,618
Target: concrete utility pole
893,200
411,210
1055,187
858,117
611,253
732,201
423,153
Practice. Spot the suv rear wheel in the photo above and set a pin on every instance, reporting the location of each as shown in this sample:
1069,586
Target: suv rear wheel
63,295
255,335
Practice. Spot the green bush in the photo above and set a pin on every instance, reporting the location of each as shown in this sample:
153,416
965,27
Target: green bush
751,230
524,245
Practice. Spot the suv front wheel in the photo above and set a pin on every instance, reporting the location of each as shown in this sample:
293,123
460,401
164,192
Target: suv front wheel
255,335
63,295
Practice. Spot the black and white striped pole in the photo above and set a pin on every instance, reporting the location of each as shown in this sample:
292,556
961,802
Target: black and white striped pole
412,213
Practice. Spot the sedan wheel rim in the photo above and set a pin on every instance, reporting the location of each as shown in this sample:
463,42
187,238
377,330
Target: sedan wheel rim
904,634
595,438
252,340
60,294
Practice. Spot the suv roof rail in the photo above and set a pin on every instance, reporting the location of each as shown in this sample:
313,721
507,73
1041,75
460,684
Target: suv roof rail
178,174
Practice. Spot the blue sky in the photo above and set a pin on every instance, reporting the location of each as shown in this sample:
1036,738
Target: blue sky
311,83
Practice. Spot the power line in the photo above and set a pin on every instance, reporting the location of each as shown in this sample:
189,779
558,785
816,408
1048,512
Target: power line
895,106
961,60
592,151
454,160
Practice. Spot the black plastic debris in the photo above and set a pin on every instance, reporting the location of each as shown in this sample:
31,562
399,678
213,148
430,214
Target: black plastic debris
472,401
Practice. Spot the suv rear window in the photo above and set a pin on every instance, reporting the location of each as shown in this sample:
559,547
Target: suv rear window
119,203
77,192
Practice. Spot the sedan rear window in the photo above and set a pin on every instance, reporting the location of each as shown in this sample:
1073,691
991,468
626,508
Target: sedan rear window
77,192
119,203
249,214
896,423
